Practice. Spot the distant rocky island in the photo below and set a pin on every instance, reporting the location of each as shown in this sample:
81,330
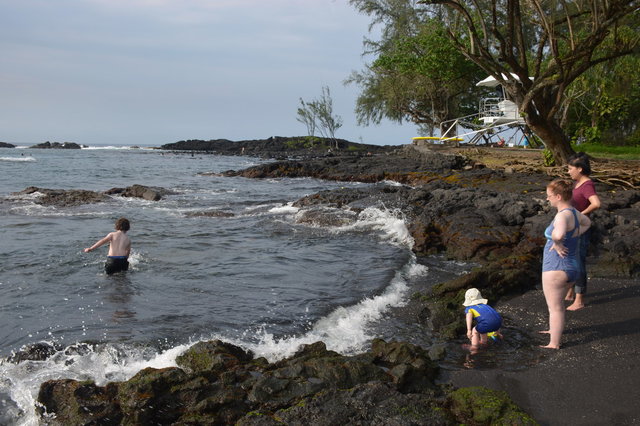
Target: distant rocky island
48,145
277,146
57,145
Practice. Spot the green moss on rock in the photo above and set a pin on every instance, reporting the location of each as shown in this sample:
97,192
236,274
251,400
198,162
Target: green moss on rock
483,406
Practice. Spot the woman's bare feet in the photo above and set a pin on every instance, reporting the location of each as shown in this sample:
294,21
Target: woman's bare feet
575,306
571,294
550,347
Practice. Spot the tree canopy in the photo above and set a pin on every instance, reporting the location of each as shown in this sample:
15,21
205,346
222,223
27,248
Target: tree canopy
558,61
537,48
418,75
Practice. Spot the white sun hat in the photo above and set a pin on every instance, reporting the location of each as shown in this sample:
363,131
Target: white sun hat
473,297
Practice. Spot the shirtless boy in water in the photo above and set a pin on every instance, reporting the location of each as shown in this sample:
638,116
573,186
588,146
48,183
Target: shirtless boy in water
119,247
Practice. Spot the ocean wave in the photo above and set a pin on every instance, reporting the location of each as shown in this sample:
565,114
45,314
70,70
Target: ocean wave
391,182
390,222
285,209
38,210
347,330
115,147
28,159
102,363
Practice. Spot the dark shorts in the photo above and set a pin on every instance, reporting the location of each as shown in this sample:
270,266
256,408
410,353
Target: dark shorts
572,275
487,326
116,264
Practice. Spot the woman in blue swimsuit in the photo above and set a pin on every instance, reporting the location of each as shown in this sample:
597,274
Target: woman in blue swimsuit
560,264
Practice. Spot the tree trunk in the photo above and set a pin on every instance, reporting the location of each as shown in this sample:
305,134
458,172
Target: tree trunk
554,139
537,115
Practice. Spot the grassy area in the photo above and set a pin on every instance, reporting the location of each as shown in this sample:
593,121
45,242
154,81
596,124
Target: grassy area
610,152
308,142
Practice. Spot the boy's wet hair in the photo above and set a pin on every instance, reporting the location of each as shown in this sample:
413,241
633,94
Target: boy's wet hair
562,187
581,161
122,224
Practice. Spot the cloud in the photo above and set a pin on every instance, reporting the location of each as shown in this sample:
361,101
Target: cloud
220,68
206,12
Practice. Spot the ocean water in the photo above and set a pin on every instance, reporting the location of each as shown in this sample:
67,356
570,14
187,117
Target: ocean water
260,277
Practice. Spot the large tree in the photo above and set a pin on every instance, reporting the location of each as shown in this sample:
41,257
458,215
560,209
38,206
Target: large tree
417,75
554,42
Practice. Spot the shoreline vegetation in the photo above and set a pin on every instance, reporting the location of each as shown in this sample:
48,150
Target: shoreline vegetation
480,205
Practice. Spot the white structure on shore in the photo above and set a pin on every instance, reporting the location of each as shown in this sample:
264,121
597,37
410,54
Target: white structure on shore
497,116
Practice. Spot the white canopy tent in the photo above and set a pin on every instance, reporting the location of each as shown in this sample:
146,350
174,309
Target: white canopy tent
492,82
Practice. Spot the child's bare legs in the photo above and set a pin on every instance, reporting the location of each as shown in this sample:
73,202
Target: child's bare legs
554,286
483,338
475,338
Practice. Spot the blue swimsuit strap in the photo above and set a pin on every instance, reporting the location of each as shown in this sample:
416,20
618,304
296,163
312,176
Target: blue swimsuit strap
576,225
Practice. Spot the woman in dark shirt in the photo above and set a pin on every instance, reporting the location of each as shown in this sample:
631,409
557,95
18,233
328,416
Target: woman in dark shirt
585,200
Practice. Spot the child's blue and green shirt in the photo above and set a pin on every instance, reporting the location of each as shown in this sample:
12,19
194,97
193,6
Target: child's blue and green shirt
487,319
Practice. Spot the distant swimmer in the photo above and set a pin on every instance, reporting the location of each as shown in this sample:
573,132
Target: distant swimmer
119,247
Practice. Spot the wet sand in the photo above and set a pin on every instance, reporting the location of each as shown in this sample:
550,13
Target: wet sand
594,379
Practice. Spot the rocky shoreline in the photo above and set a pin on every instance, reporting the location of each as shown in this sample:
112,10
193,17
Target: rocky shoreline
76,197
453,206
217,383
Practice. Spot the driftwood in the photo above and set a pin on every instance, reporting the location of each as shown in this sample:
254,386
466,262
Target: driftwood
624,174
618,178
625,179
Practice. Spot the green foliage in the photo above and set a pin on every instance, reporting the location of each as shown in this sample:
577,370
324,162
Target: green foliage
603,105
318,114
308,142
548,159
634,139
306,117
418,74
589,135
609,151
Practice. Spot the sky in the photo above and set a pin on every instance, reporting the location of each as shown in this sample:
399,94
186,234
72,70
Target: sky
150,72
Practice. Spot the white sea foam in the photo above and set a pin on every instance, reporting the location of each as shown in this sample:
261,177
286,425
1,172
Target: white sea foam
28,159
285,209
135,258
216,191
109,147
347,330
52,211
390,223
102,363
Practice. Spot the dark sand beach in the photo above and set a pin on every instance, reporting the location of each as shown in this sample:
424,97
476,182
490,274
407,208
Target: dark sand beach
594,379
